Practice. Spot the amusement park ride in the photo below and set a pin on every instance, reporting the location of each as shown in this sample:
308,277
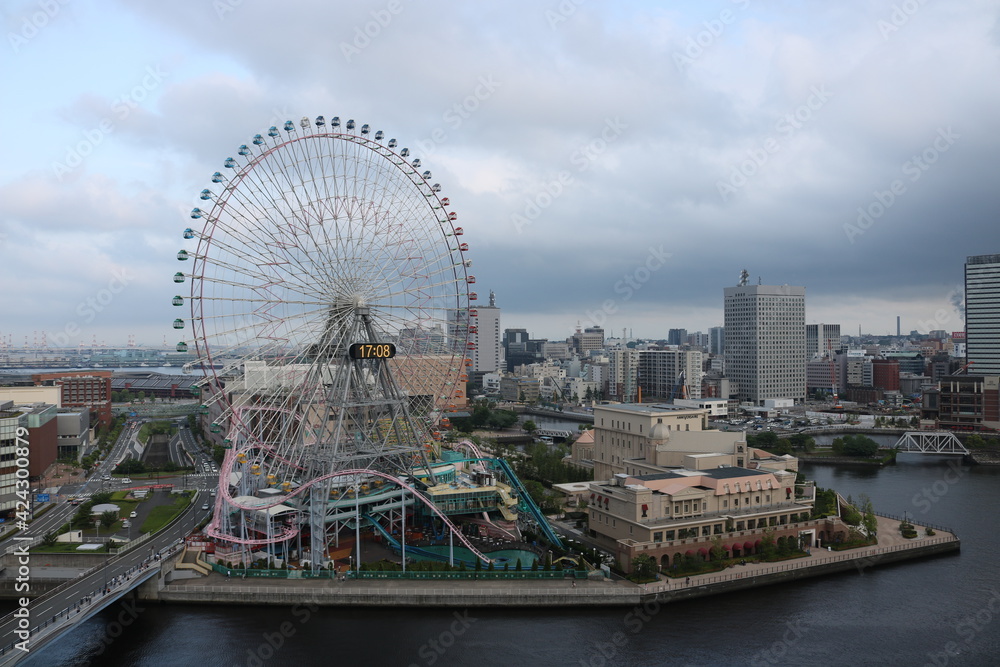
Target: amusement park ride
330,313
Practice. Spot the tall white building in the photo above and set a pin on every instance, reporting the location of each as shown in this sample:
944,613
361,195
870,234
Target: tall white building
982,314
623,375
822,339
661,370
487,357
766,341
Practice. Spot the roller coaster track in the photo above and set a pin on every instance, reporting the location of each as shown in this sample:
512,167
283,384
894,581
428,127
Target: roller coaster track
213,528
394,543
528,502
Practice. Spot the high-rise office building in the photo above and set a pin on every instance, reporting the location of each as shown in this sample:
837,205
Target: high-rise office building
677,336
670,373
583,342
717,340
623,375
766,341
822,339
487,357
982,314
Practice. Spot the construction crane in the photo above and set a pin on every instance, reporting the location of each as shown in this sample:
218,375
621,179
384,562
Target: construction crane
680,389
964,369
833,376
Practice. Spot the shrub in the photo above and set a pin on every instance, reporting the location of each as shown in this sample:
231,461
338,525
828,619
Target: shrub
851,515
929,531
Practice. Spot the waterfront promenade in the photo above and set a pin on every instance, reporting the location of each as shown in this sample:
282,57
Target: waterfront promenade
216,588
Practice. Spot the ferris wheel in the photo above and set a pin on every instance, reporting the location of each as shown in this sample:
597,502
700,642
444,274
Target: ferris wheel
329,307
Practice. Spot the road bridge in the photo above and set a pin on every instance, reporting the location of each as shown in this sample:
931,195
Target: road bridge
60,610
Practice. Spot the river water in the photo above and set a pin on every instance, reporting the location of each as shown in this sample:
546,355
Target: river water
912,613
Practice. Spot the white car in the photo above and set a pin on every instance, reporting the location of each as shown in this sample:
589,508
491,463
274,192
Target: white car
133,515
205,506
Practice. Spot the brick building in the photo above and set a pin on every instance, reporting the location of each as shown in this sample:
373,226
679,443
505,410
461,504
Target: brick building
82,389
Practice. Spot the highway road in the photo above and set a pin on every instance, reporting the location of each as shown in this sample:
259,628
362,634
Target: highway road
205,479
88,589
84,594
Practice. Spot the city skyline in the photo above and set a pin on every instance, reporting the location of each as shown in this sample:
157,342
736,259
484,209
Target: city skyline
613,166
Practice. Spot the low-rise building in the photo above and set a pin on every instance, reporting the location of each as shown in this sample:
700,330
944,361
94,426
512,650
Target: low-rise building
519,389
582,451
82,389
73,433
638,438
666,482
683,512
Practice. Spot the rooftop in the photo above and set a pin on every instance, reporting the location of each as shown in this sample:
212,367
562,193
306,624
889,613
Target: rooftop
714,473
648,408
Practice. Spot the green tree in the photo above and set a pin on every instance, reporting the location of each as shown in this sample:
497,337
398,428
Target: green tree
643,568
50,539
851,515
718,552
536,491
802,442
108,518
529,426
130,467
783,447
868,519
859,445
768,548
975,441
766,440
100,498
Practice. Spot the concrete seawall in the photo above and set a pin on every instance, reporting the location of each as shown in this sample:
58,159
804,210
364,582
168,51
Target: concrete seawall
216,589
858,564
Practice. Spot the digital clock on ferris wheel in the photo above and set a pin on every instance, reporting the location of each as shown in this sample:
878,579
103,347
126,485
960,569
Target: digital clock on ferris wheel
372,351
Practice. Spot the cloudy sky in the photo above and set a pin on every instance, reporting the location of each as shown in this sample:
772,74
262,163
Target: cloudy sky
612,163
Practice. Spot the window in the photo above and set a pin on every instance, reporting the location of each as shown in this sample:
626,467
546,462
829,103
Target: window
658,536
